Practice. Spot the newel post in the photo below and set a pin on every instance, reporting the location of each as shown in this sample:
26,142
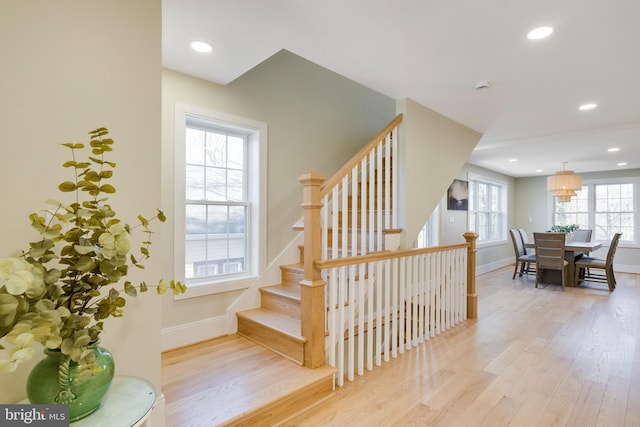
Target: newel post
472,297
312,286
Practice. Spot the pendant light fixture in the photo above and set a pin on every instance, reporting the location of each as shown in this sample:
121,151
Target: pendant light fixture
564,184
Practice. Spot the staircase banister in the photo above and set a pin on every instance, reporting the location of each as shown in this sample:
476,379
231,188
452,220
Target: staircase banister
383,255
346,169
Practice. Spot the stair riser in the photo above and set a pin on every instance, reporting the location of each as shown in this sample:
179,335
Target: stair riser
294,404
291,276
272,339
280,304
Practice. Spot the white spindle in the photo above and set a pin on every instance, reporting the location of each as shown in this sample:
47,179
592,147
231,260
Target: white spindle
394,178
372,199
344,206
351,311
379,188
335,206
361,316
379,286
432,294
387,182
353,207
395,308
388,317
363,205
370,281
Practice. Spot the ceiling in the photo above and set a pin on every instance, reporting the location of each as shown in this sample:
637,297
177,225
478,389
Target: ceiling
435,52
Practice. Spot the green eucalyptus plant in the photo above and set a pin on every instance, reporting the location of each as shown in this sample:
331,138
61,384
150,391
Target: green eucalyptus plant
59,291
564,228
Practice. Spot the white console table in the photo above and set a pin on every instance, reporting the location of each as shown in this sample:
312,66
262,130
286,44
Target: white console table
128,403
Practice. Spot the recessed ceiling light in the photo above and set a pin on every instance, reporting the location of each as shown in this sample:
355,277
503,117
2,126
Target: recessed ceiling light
513,160
539,33
200,46
614,149
538,170
622,164
589,106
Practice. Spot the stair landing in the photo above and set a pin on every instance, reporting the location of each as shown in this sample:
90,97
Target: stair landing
232,381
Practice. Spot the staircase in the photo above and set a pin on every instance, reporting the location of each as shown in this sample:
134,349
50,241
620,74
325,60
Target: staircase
358,210
276,323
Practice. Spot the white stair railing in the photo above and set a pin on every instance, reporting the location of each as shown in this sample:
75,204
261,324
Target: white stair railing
358,202
381,305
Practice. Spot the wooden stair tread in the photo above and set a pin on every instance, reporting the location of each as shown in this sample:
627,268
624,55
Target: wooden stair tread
296,266
277,321
290,292
233,381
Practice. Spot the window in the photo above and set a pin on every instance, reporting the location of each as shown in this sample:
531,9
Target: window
606,207
487,209
216,200
574,212
428,234
220,181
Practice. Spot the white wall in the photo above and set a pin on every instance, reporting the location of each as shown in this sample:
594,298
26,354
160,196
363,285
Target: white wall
67,68
433,150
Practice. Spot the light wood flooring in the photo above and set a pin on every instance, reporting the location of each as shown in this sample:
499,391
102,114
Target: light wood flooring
534,357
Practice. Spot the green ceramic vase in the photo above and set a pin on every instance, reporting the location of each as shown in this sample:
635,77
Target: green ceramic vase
56,379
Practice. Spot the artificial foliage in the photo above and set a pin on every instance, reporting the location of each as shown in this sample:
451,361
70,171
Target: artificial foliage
60,289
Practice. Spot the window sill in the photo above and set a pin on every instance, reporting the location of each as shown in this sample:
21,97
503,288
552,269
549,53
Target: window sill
204,288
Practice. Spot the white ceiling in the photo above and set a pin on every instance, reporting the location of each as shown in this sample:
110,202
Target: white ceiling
435,52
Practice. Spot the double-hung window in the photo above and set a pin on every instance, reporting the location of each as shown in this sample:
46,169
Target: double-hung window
220,209
216,201
487,209
605,206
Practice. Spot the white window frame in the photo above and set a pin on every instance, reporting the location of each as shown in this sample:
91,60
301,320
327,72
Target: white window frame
591,183
502,226
257,191
428,235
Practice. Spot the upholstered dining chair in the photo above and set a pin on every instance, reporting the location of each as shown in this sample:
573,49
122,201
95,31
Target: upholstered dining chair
582,236
525,239
550,254
523,260
587,264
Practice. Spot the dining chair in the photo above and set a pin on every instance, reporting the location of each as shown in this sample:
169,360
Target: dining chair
582,236
525,240
550,254
586,264
523,260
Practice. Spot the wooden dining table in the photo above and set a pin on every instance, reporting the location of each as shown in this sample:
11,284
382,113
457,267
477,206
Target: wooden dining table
571,251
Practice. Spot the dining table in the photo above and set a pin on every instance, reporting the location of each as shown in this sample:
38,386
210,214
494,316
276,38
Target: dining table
571,251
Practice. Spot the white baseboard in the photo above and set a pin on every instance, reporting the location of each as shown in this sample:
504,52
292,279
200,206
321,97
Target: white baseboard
626,268
485,268
189,333
156,419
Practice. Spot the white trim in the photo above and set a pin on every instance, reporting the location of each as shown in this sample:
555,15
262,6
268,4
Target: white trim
189,333
485,268
626,268
257,201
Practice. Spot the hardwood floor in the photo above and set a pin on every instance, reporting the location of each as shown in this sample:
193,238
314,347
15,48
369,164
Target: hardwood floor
534,357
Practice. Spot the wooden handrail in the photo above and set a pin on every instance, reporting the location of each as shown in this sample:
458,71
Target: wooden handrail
344,170
383,255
